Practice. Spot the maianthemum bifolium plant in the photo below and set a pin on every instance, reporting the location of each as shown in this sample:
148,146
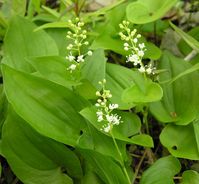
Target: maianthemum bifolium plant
99,96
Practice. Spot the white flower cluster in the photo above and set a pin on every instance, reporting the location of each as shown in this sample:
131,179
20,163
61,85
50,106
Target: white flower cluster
104,112
78,36
137,49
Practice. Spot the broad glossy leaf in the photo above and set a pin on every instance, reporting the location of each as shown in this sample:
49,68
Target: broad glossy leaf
190,177
107,169
91,177
95,67
118,79
49,108
145,11
35,158
21,42
180,100
153,92
162,171
143,140
92,139
181,141
119,131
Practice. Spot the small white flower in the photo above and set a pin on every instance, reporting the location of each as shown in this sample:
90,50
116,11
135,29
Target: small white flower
126,44
80,58
98,93
149,71
97,105
113,106
121,26
141,53
113,119
100,118
70,57
72,67
107,128
141,45
99,100
90,53
134,59
141,69
86,43
135,40
126,48
99,113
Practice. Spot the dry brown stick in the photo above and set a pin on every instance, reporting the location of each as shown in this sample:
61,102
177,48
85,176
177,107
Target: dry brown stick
138,166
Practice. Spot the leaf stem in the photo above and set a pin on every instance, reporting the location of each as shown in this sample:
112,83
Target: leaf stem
145,120
121,158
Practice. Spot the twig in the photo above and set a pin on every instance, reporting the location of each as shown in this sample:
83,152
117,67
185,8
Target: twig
138,166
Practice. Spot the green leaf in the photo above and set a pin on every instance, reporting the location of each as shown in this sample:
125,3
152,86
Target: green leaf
145,11
54,68
186,72
109,39
180,100
108,170
94,68
21,42
94,140
183,46
143,140
49,108
193,43
190,177
153,92
119,131
118,79
53,25
14,7
91,177
162,171
180,141
86,90
26,150
59,36
196,130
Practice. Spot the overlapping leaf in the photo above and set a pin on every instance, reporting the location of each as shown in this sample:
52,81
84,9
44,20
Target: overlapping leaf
49,108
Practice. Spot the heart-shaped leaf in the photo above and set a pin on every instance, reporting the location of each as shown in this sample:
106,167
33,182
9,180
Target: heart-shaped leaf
180,100
181,141
145,11
162,171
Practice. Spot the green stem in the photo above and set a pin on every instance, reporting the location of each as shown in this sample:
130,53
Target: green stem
121,158
145,120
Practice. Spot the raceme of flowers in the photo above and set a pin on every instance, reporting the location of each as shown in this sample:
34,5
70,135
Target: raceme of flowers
137,49
78,36
104,112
